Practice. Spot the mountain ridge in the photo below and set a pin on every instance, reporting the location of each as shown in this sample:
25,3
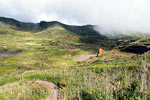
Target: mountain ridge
29,26
86,33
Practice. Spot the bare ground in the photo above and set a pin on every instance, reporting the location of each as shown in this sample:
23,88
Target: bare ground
83,57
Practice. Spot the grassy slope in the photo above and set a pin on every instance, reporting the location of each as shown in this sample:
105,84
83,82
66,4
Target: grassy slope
23,90
40,50
46,56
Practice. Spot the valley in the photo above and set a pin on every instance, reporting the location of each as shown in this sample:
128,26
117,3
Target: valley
67,57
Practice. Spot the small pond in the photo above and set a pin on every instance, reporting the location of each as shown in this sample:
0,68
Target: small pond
9,53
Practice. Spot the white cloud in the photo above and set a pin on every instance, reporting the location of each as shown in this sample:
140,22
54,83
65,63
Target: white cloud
110,15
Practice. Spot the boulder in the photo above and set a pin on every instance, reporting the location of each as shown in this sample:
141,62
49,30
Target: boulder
100,52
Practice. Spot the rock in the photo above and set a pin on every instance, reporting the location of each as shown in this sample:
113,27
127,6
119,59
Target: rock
100,52
90,60
112,51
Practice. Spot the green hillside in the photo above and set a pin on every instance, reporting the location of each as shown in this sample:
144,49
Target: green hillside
45,51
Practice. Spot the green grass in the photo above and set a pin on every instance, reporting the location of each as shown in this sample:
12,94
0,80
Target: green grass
38,51
46,56
23,90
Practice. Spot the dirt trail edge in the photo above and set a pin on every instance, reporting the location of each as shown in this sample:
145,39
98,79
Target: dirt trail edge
51,87
83,57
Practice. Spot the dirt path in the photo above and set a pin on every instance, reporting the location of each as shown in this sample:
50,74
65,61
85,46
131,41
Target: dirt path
52,89
83,57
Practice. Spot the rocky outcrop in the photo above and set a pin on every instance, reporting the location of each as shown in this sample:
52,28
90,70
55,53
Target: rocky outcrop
100,52
90,60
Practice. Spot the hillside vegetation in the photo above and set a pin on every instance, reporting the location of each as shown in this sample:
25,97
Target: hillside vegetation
45,53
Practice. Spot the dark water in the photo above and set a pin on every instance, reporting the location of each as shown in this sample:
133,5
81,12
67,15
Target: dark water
9,53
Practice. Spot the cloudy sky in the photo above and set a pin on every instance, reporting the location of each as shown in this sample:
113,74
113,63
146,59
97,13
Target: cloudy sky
116,15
